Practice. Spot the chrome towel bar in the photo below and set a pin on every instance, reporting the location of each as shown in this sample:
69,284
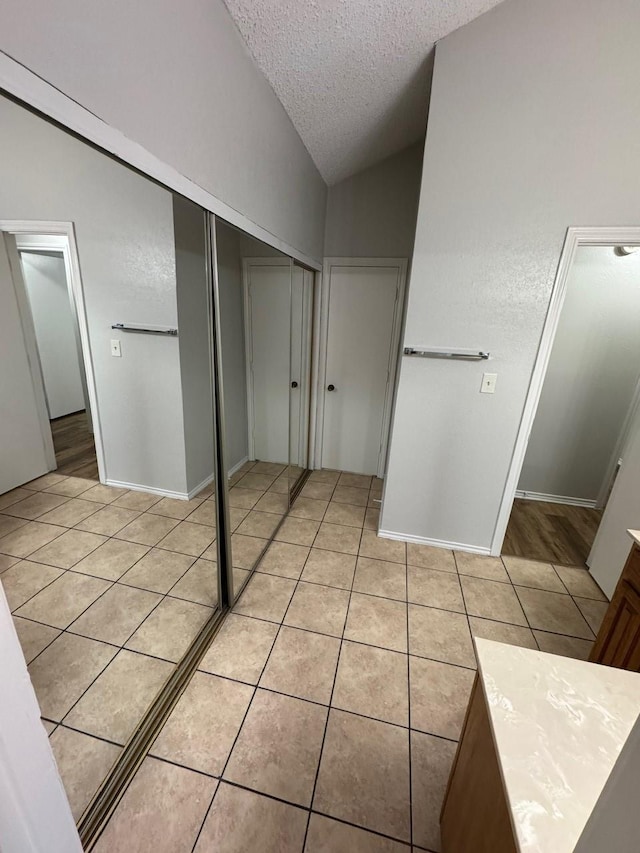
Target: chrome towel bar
150,330
444,352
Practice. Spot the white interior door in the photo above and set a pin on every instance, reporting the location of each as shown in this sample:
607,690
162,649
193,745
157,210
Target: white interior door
301,315
25,452
362,332
268,301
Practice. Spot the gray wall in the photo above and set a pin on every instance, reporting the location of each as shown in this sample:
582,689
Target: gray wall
373,213
534,126
195,353
178,79
124,231
591,379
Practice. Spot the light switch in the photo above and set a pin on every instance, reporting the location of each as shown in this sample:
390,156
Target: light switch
488,383
115,349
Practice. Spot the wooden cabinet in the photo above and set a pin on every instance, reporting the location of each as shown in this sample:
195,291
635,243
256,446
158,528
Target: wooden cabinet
618,640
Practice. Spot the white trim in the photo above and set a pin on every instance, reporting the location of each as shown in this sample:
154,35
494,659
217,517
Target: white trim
33,90
314,461
165,493
433,543
394,350
203,485
555,499
233,470
583,236
72,265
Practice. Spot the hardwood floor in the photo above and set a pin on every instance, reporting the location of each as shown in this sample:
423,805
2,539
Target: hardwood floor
552,533
74,446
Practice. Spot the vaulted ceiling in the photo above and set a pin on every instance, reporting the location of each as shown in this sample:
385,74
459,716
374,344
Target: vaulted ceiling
353,75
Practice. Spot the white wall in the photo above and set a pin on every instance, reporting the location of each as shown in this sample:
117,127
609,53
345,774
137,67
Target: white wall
178,79
533,126
591,378
373,214
124,231
46,282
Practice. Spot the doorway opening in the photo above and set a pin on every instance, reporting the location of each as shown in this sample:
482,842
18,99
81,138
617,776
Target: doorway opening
583,410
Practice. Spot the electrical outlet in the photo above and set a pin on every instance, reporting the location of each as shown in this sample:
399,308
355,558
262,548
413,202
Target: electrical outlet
115,349
488,383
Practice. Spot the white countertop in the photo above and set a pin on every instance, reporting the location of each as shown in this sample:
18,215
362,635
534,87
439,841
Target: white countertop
558,726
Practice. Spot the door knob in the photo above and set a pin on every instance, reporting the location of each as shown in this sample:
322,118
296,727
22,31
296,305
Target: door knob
331,387
294,384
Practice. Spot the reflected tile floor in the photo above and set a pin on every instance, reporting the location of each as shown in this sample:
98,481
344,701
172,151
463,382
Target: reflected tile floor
325,716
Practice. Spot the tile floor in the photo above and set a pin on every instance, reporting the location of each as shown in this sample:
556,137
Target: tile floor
325,715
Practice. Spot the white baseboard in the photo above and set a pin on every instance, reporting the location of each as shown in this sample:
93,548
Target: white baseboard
434,543
136,487
197,489
555,499
237,466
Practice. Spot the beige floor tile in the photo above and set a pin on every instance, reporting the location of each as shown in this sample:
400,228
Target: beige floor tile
240,821
71,512
329,568
199,584
431,760
284,559
324,475
345,514
492,600
278,748
379,577
551,611
48,726
350,495
318,491
355,481
351,783
111,560
46,480
37,504
568,647
68,549
260,524
9,523
115,615
593,611
439,696
479,566
25,579
434,588
108,521
83,762
236,517
246,550
331,836
579,581
382,549
147,529
309,508
14,496
533,573
64,670
429,557
188,538
440,635
372,682
33,637
6,562
71,487
266,597
64,600
377,622
338,537
103,494
273,502
170,629
161,812
157,571
502,633
117,700
29,538
239,578
240,649
244,498
174,508
298,531
205,513
272,469
142,501
318,608
260,482
372,519
302,664
203,726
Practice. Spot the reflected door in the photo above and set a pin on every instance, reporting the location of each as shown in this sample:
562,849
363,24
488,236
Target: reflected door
301,331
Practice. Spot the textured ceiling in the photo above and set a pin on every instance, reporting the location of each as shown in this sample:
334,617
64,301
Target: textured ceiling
353,75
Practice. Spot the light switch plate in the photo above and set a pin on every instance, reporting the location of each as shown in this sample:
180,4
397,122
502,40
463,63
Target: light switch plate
488,383
115,349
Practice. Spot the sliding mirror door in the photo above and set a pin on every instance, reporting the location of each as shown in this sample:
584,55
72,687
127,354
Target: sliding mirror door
254,287
300,378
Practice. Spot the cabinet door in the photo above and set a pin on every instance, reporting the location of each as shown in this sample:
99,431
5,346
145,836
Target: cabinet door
621,645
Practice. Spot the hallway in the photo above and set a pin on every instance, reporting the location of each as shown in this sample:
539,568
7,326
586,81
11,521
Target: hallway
74,446
551,532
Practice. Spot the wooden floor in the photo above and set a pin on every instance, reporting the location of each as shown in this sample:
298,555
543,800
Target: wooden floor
74,446
553,533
